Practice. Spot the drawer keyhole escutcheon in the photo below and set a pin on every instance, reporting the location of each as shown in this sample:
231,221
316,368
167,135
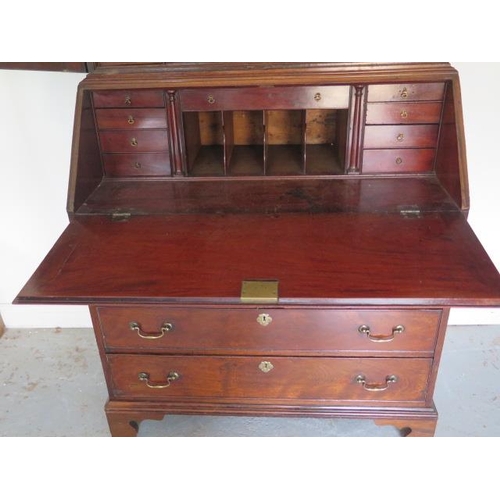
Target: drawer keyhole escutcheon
400,137
365,330
376,387
128,101
211,99
264,319
404,113
131,120
317,96
404,93
399,160
136,327
171,377
137,165
133,142
266,366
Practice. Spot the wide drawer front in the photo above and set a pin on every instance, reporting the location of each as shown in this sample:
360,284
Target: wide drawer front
131,119
133,165
265,98
400,136
277,378
395,112
128,99
134,141
252,330
406,92
398,160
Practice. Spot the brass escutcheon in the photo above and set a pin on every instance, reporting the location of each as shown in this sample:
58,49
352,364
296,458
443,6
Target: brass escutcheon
264,319
266,366
131,120
404,93
404,113
133,142
211,99
399,160
127,100
137,164
317,96
400,137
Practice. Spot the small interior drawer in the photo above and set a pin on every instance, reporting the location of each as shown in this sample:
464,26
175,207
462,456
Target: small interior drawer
134,141
269,377
406,92
131,119
128,98
398,160
395,113
136,165
400,136
335,97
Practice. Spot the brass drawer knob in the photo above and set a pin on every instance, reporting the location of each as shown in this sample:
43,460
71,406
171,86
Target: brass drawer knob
404,113
404,93
171,377
130,120
317,96
264,319
211,99
400,137
133,142
365,330
127,100
137,165
376,387
136,327
399,160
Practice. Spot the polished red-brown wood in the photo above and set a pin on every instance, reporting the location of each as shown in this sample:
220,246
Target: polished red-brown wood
382,113
358,259
315,331
451,152
358,111
311,97
398,160
345,182
85,153
128,99
274,196
400,136
127,141
406,92
289,378
136,165
131,119
124,417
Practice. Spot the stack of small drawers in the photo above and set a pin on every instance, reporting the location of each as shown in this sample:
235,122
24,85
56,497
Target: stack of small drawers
402,128
133,132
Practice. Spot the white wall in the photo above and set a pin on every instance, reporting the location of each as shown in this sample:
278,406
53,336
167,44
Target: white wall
35,138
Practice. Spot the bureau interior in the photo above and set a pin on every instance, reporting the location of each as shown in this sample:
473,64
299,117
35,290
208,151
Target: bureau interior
136,152
265,142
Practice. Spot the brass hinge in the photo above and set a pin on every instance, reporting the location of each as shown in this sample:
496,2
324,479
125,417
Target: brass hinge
120,216
410,211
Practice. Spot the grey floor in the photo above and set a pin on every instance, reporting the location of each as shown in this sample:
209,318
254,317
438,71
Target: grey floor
51,384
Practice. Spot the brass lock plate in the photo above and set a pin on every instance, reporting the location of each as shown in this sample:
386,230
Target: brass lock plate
259,291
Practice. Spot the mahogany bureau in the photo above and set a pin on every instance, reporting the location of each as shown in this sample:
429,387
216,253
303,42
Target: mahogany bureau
269,239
